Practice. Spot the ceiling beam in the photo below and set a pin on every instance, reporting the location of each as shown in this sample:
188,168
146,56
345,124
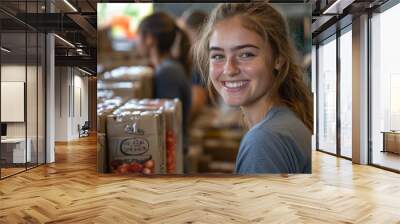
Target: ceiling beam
337,6
84,24
78,61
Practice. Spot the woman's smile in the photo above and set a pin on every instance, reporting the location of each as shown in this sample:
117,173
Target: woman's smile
235,86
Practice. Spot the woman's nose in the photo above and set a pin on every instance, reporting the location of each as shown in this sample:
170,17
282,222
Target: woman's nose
230,67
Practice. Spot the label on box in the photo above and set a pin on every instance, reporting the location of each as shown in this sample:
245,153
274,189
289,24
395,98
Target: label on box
136,154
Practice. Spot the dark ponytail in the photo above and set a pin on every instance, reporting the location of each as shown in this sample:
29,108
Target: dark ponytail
163,28
184,51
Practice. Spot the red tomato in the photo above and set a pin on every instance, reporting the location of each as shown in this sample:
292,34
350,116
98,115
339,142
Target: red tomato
136,167
124,168
149,164
146,170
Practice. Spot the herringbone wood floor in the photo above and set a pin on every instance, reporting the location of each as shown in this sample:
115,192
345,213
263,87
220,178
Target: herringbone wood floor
70,191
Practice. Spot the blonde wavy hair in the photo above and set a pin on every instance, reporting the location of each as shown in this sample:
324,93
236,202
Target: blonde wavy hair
267,22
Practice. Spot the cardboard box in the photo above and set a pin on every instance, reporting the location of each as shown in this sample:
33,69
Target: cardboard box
174,137
172,110
136,142
105,108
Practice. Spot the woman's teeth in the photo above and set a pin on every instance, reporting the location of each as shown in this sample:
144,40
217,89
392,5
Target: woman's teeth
235,84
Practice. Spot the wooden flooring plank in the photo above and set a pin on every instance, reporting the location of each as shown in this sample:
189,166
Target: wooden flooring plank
70,191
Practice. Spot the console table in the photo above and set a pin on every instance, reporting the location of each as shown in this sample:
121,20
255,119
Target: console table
391,141
13,150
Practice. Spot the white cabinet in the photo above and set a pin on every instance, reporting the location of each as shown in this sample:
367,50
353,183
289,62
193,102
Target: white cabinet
17,146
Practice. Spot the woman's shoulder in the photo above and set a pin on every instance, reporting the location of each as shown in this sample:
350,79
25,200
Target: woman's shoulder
281,121
280,128
260,136
271,148
280,138
265,151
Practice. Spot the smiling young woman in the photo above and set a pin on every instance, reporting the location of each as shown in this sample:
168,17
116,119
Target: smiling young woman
245,55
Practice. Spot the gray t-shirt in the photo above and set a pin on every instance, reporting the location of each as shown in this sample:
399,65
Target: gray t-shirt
280,143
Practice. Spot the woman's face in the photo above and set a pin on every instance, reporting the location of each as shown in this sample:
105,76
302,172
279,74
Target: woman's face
241,63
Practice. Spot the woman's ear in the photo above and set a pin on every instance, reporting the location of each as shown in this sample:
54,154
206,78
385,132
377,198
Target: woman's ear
278,63
148,40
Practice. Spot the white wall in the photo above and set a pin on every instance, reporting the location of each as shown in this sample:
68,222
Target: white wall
33,127
62,81
13,73
71,94
80,110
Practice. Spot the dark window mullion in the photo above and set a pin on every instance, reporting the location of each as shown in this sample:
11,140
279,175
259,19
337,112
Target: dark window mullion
26,86
317,96
338,93
45,88
369,78
37,90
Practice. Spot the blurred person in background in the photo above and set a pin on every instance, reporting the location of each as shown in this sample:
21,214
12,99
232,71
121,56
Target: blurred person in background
191,21
156,36
246,55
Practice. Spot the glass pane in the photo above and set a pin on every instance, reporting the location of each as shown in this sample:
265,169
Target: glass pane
23,81
327,96
13,86
31,97
346,94
314,90
41,99
385,86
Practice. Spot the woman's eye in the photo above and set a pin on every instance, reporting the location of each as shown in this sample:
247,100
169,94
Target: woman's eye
246,55
217,57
